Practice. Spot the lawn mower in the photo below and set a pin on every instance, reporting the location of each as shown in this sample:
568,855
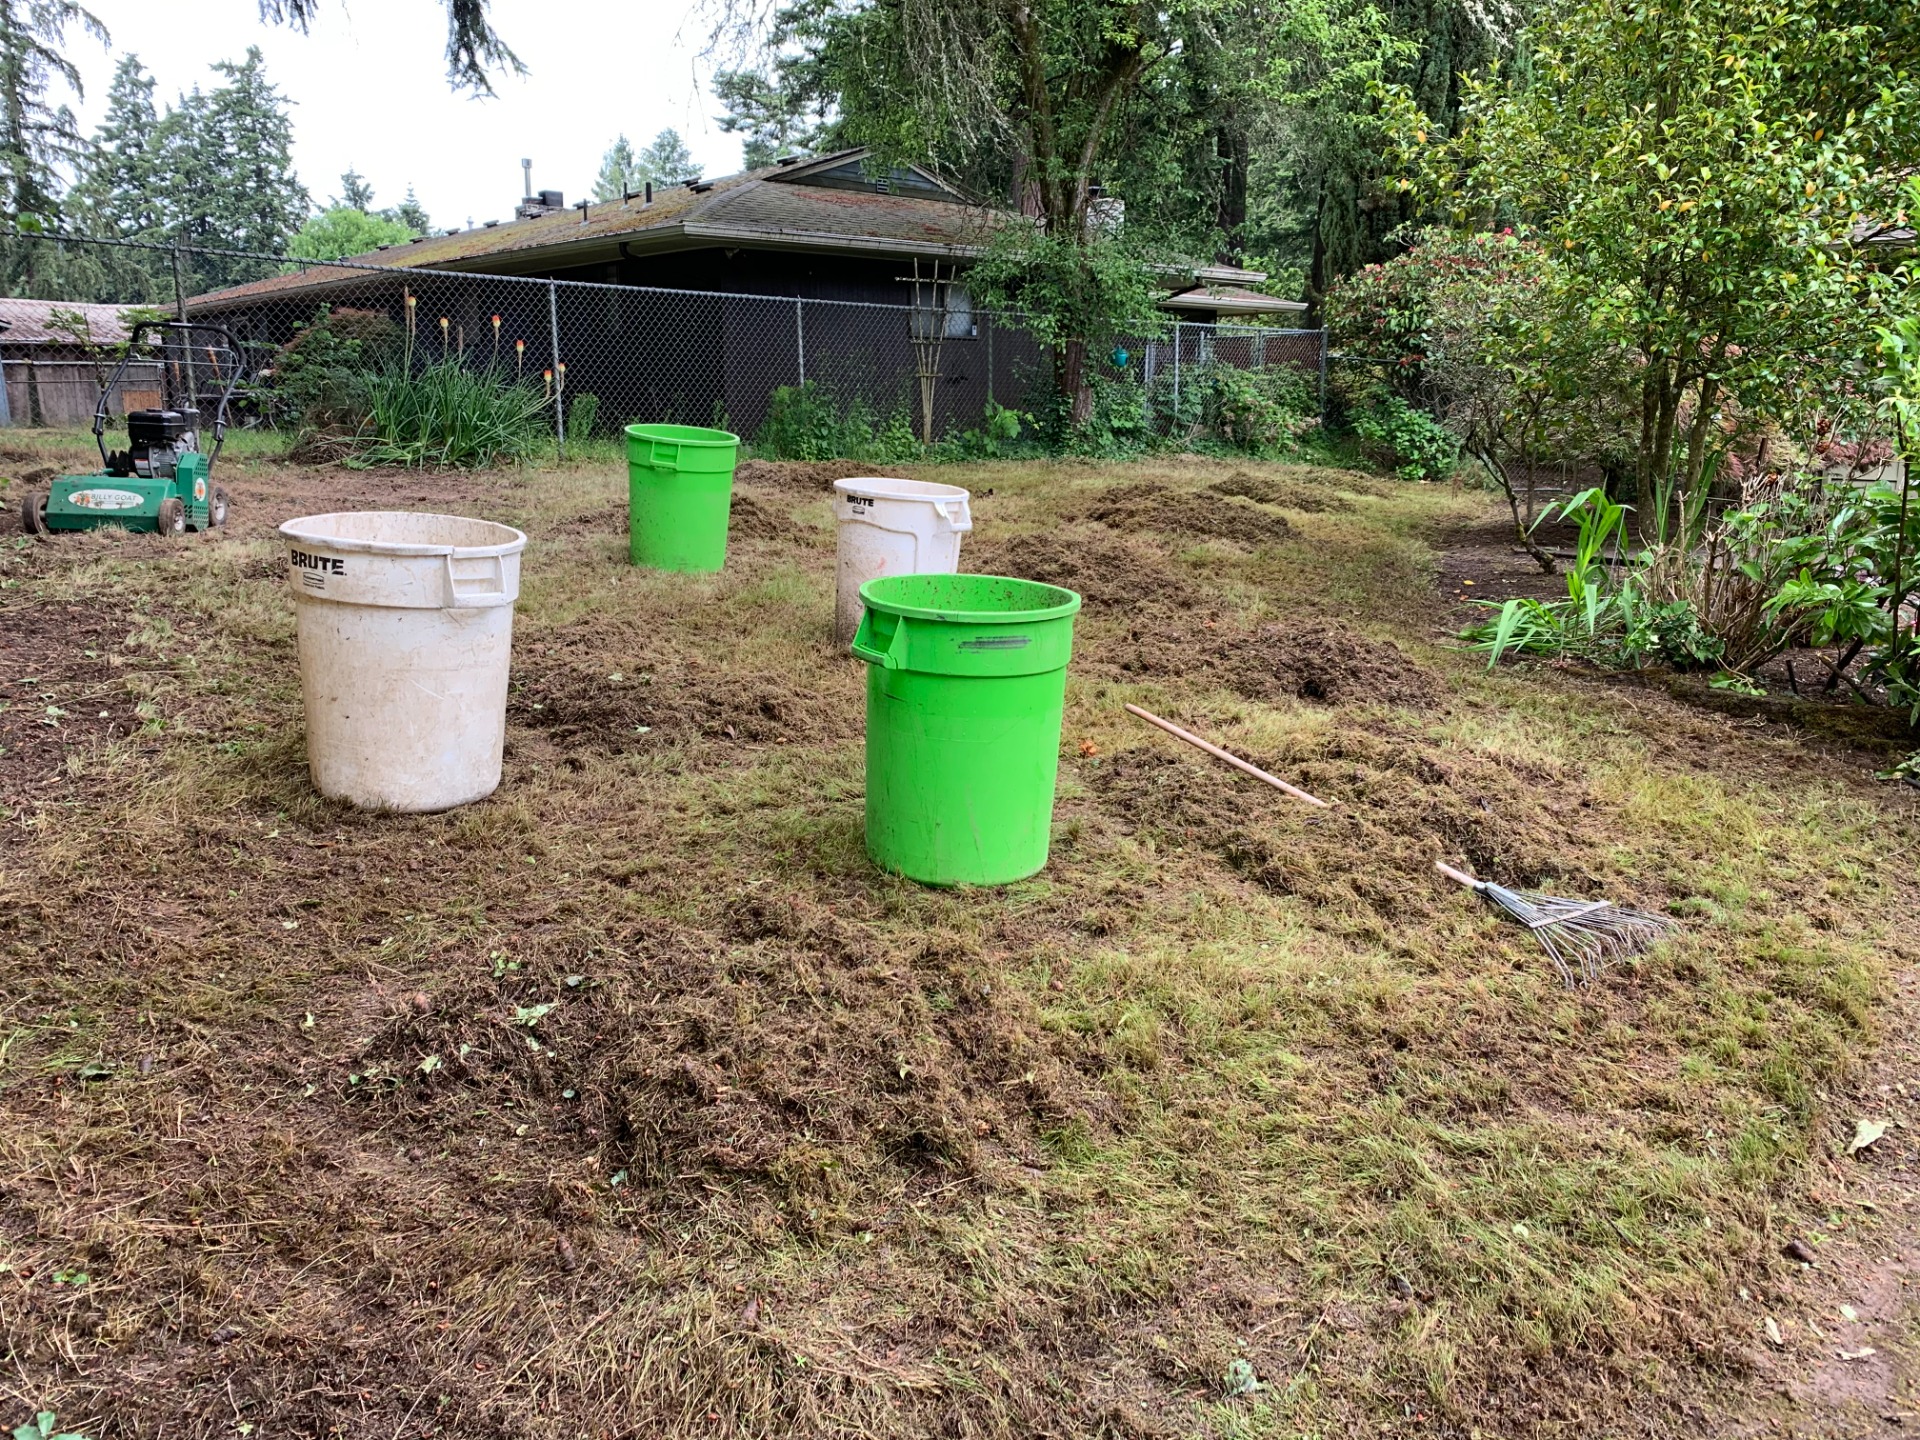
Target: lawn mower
161,481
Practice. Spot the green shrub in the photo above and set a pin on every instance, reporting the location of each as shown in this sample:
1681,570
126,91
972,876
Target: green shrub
447,415
582,412
316,380
809,422
1410,442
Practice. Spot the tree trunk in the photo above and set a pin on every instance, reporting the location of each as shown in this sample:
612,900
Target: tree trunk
1230,143
1697,439
1522,532
1070,372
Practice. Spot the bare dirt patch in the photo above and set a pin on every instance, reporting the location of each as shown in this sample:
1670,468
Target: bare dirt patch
63,692
756,519
1102,568
1197,514
266,496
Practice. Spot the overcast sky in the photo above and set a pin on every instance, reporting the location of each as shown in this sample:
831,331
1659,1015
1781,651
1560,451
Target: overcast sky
370,91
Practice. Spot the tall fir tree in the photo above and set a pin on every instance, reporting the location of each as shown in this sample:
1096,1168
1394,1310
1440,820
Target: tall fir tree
37,135
410,213
619,171
355,192
120,194
666,161
226,154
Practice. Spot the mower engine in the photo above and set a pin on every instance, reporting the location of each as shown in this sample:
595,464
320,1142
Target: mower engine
156,440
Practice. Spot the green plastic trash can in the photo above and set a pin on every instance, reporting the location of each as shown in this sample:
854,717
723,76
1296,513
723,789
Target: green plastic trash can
966,682
679,489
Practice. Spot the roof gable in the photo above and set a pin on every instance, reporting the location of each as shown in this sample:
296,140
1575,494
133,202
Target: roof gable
851,170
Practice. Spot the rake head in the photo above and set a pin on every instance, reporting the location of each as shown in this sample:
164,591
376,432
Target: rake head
1582,933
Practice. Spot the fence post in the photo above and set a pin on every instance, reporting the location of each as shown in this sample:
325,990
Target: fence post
986,320
179,287
1176,373
800,335
559,398
1323,375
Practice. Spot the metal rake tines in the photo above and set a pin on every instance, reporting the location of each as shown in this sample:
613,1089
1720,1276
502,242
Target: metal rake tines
1586,933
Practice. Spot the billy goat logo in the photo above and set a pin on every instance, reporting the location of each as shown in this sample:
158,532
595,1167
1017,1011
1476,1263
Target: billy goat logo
105,499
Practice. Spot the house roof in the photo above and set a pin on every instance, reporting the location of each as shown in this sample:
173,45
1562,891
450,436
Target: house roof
825,205
1229,300
26,322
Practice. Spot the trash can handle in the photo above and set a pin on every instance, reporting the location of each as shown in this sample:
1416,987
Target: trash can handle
893,657
665,452
492,574
955,512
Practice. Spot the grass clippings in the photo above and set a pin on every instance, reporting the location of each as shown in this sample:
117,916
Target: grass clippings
633,1101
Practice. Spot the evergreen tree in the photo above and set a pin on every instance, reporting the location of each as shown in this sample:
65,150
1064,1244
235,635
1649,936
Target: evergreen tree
790,106
667,161
619,171
410,214
355,192
36,135
474,49
119,194
225,153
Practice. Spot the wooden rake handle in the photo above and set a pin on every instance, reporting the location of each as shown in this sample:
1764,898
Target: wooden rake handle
1459,875
1234,760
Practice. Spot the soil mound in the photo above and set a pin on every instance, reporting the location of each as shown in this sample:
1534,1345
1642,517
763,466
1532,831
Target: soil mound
1398,804
648,1058
1286,493
748,519
803,474
1314,661
582,688
1101,568
1196,513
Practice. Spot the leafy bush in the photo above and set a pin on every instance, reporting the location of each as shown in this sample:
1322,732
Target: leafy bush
1606,618
447,415
1409,441
809,422
582,413
316,381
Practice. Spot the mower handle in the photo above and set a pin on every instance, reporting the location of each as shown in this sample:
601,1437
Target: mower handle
142,328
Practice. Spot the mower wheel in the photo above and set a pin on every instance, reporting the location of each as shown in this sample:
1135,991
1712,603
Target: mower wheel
172,519
218,507
33,512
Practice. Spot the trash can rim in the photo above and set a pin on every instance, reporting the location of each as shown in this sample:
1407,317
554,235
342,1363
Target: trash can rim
1068,605
898,487
683,435
295,530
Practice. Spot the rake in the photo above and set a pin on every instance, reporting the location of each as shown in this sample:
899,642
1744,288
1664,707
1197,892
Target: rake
1584,932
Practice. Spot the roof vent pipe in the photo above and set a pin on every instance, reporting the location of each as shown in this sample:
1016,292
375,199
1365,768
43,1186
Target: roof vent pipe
647,190
526,176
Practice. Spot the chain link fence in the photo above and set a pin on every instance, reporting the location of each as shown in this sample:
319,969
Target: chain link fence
601,356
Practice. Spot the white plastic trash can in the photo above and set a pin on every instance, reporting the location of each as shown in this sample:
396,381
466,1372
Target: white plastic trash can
405,624
893,527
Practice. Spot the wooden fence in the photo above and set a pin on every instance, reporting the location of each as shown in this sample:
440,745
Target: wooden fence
62,393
